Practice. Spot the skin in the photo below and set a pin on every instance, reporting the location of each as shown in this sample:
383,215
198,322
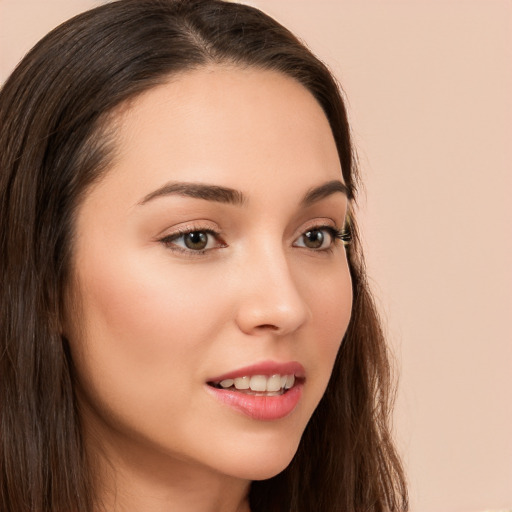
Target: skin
152,322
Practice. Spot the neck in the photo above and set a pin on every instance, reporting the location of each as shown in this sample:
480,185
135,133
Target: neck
132,478
184,488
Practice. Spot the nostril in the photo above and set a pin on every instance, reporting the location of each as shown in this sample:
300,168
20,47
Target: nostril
268,326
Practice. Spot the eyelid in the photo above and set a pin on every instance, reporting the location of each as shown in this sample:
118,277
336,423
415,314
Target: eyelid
333,234
326,224
317,223
322,222
179,232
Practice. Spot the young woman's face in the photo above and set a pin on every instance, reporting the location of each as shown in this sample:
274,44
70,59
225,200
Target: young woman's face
207,262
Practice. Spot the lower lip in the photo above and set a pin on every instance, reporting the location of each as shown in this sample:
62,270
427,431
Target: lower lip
259,407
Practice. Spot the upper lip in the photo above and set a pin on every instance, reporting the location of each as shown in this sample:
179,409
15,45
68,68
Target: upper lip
264,368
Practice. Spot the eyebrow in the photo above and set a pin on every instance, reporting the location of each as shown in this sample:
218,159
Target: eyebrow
227,195
322,191
199,191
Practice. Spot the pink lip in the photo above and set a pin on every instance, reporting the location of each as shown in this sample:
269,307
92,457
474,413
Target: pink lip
264,368
261,407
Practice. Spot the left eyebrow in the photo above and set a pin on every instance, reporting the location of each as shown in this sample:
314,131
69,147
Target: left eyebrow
322,191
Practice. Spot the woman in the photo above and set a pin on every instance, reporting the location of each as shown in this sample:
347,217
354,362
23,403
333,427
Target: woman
185,325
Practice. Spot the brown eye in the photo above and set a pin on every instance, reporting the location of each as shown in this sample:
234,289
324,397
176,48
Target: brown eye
314,239
317,239
196,240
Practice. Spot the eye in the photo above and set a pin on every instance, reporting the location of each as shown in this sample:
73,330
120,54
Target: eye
323,238
198,241
318,239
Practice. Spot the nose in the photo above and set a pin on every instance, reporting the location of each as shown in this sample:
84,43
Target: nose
271,300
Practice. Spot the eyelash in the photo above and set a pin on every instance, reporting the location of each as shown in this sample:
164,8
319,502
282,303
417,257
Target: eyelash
181,233
343,235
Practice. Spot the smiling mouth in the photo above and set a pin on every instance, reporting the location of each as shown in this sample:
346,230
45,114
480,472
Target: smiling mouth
262,385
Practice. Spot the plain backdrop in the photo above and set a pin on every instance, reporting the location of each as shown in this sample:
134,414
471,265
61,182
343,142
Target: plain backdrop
429,87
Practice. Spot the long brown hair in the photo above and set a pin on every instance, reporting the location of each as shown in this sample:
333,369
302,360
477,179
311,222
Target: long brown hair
55,140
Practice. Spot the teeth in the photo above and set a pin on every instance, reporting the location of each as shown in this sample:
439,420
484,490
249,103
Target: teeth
274,383
260,383
242,383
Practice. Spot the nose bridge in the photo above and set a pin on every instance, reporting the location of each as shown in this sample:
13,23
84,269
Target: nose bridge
272,299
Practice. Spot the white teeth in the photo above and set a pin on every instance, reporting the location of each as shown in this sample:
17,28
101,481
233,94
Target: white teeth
227,383
274,383
242,383
260,383
290,381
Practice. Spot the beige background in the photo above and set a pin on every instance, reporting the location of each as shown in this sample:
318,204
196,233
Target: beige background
429,87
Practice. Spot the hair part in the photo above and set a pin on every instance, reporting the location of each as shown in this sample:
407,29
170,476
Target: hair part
57,138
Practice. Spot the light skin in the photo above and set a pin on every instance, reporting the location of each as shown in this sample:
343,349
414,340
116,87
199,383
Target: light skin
161,315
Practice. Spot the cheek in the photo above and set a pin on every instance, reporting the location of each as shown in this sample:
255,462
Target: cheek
333,309
142,329
141,307
330,297
140,349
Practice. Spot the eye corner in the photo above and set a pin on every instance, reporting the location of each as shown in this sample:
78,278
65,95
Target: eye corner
345,235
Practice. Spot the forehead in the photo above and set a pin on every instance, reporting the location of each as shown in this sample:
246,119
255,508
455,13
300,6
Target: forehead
227,125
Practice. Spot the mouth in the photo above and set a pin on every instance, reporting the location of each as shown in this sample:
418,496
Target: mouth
265,391
262,385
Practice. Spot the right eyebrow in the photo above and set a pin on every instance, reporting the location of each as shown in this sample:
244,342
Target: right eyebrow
198,191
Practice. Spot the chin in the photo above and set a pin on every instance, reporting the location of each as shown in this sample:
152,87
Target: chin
264,473
262,460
